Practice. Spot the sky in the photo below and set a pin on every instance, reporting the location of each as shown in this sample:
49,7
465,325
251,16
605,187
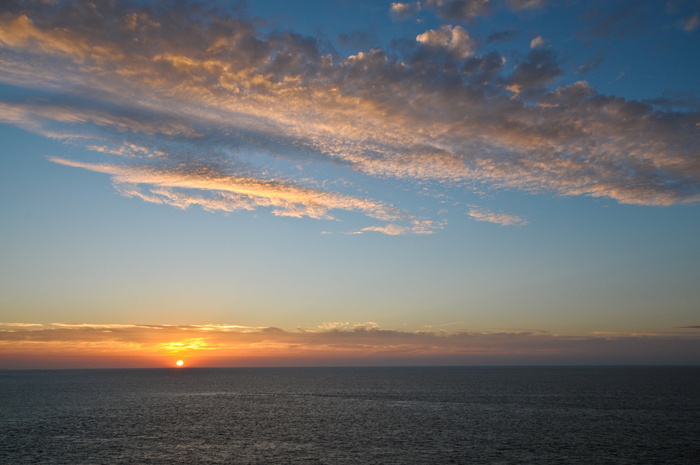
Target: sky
366,182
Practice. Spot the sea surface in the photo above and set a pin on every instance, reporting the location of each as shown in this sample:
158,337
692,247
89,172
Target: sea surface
489,415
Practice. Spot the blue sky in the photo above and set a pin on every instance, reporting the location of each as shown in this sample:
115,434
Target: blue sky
458,169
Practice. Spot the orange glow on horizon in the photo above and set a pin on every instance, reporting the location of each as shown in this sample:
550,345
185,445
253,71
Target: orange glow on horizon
38,346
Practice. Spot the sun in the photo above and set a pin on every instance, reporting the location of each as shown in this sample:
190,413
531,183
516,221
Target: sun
179,363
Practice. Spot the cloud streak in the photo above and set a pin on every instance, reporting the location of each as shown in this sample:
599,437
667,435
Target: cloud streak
201,107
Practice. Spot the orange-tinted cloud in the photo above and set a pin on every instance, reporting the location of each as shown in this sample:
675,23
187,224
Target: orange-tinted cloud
234,192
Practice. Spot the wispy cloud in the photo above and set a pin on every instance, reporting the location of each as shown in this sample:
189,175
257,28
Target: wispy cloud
342,342
416,227
228,192
197,106
526,4
691,22
504,219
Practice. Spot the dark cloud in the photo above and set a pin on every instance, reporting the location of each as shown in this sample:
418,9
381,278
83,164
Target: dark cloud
541,67
671,101
462,10
485,68
614,19
500,37
687,13
590,65
358,40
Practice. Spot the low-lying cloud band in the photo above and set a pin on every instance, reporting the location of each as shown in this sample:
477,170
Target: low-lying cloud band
366,344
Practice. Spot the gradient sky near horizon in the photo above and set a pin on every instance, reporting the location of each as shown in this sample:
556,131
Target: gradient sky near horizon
349,182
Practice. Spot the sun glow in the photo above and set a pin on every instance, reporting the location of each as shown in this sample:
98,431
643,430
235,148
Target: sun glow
179,363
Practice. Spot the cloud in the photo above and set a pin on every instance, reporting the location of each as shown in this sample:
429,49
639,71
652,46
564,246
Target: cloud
526,4
59,345
503,219
502,36
416,227
21,325
591,64
454,39
690,23
458,10
346,325
355,39
537,42
198,106
673,100
615,19
540,68
483,69
401,11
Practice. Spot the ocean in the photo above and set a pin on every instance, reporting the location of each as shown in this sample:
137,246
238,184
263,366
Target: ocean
436,415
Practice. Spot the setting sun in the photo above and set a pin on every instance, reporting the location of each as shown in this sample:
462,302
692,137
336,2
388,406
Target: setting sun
179,363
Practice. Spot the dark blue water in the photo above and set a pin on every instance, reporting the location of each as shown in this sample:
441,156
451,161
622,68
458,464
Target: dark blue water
611,415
